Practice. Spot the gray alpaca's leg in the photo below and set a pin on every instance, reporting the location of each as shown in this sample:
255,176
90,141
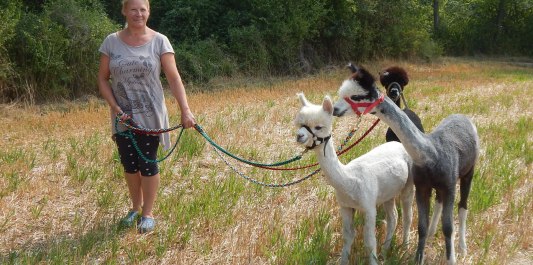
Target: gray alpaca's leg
370,235
465,184
437,211
348,233
407,198
423,195
462,231
392,221
447,224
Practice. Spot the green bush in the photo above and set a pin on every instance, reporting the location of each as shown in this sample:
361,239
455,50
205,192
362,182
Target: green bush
85,29
247,45
203,61
287,28
10,13
429,50
42,46
389,28
56,51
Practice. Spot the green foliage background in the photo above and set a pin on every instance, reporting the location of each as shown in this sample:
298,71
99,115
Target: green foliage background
49,48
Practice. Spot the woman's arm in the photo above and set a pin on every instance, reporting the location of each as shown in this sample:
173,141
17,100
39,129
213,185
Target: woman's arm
177,88
104,86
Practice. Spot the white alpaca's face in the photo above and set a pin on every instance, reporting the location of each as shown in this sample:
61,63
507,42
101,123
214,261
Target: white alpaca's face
313,121
350,89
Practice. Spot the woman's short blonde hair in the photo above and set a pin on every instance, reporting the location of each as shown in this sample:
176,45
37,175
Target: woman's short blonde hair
125,3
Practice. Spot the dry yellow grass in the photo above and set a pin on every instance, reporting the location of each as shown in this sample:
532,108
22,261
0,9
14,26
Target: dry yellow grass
45,148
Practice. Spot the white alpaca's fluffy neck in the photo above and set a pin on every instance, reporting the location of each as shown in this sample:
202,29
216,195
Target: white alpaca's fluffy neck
332,168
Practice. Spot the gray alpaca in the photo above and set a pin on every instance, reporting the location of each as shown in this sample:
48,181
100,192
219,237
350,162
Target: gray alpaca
440,158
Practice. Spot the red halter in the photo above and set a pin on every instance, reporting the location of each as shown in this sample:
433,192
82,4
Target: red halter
367,105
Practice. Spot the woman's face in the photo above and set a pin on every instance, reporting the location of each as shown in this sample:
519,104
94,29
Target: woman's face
136,13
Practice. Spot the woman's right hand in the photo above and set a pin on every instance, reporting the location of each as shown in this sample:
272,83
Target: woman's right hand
122,115
187,119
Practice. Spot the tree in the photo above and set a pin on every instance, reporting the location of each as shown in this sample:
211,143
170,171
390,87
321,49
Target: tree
436,17
487,27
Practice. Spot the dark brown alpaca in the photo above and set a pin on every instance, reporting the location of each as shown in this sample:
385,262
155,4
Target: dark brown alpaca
394,79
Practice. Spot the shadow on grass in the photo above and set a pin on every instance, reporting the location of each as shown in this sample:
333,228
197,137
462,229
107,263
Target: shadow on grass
66,249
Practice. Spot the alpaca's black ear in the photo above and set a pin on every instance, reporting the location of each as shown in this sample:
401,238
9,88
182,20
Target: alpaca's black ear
352,68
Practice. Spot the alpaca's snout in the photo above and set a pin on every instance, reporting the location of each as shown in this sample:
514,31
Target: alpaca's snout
301,138
337,112
394,93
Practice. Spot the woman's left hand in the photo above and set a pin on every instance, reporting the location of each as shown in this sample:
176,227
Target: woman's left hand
187,120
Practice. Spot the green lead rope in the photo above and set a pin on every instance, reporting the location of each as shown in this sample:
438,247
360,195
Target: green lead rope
277,164
261,183
129,133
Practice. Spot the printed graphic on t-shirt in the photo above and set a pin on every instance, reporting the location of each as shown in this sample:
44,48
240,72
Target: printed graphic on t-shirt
113,56
133,93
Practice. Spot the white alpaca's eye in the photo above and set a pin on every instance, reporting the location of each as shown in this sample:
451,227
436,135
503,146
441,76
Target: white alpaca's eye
318,128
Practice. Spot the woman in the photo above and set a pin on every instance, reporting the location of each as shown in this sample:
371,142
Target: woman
132,60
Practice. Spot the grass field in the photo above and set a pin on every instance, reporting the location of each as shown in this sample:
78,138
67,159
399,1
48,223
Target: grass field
62,190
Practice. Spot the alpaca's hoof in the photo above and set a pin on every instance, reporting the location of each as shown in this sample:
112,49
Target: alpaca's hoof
405,243
386,247
384,251
419,259
344,260
373,260
451,261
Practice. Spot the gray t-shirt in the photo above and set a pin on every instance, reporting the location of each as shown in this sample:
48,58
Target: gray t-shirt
135,81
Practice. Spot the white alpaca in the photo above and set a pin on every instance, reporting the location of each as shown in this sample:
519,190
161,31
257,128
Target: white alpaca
374,178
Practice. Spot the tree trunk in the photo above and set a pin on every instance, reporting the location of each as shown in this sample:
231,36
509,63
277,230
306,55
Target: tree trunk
436,18
499,24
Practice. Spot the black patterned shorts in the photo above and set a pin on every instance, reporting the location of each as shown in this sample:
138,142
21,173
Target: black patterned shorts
130,158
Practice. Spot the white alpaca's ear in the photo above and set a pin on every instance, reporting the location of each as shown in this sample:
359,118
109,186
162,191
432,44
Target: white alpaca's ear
303,100
327,105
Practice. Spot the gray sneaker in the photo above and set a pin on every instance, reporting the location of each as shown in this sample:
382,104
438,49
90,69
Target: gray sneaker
130,219
146,224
